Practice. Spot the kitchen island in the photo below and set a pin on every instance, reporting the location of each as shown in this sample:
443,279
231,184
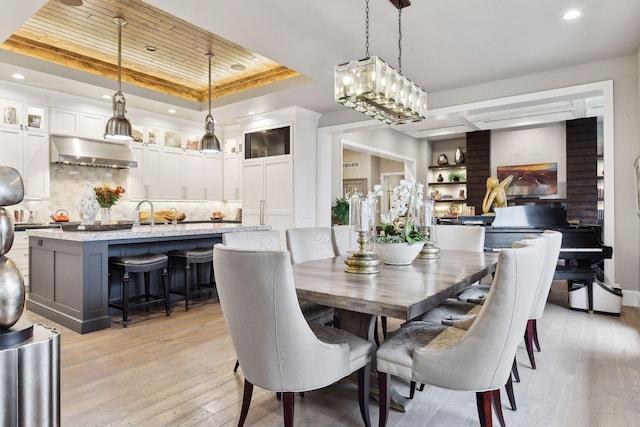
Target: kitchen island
69,269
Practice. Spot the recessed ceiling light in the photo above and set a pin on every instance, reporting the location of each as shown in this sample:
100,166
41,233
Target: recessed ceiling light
151,48
105,96
171,111
571,14
17,76
238,67
251,113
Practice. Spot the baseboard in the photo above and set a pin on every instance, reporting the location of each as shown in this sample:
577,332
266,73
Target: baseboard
630,298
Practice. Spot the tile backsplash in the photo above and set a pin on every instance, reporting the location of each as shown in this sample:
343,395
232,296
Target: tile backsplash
68,186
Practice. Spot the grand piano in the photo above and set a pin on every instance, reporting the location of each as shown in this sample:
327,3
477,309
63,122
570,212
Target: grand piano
582,250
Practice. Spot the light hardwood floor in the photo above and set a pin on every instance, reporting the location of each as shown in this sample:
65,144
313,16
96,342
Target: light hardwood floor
177,371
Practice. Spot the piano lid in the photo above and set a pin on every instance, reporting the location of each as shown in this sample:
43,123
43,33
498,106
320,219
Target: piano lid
530,216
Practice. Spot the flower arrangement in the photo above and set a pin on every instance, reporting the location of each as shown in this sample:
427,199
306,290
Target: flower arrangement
107,196
406,200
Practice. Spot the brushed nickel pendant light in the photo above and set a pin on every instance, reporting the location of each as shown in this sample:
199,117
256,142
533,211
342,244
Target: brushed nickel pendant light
118,127
209,142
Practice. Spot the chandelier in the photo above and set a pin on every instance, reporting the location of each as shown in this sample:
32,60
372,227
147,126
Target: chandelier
373,87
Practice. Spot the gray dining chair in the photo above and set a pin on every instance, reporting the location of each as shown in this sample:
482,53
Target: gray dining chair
279,351
435,354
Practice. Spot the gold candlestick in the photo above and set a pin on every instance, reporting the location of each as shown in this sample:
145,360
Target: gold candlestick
362,261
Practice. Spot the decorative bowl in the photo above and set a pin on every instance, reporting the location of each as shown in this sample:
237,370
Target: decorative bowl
398,253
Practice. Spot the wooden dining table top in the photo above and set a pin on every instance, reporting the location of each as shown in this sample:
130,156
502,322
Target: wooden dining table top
403,291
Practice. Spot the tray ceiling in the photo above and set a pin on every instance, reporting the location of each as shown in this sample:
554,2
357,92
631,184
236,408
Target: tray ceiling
159,51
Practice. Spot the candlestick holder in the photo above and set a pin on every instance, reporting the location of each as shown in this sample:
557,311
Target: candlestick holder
362,261
429,250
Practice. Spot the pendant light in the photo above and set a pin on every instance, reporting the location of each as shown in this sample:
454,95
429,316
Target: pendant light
118,127
209,142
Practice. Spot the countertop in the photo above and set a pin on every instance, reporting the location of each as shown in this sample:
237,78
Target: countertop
145,231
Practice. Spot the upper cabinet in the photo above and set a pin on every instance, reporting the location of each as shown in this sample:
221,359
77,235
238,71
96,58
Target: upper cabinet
76,123
23,116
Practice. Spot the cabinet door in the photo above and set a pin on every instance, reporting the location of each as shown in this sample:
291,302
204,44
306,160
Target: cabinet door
91,126
213,177
253,188
278,186
64,122
11,149
232,168
136,184
194,175
152,171
36,164
171,176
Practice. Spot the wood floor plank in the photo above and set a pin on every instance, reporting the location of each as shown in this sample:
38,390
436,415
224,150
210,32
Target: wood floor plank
178,371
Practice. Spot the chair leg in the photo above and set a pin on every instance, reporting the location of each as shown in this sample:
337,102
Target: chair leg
147,283
287,406
246,401
383,389
512,398
412,389
187,285
235,368
126,279
364,378
535,334
514,370
483,401
165,289
528,342
383,321
497,406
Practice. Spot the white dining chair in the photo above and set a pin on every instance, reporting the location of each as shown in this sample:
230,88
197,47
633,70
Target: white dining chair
459,237
278,350
309,244
344,239
478,359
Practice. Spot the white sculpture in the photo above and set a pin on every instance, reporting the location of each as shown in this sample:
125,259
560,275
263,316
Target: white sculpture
88,207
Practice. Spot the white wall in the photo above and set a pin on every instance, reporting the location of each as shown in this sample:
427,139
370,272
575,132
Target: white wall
531,146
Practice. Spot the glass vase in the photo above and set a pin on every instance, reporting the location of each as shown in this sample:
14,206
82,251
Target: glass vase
105,216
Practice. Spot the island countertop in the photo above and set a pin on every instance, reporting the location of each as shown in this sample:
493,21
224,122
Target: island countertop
144,232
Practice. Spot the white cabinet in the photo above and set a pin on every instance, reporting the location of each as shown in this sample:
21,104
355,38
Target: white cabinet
268,192
76,123
144,181
28,152
191,175
19,254
23,116
232,169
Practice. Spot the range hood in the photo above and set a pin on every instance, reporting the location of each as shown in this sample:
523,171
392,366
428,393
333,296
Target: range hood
91,152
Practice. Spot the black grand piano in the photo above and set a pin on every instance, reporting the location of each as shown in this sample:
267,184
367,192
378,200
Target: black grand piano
582,250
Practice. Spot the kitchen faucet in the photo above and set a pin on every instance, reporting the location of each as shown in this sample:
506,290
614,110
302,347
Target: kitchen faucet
153,212
174,211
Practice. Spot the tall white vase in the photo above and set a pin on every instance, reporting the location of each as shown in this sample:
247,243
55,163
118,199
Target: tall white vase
105,216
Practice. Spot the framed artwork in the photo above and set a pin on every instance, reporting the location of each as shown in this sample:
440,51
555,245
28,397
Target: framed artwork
137,132
636,168
153,135
34,121
353,186
10,116
192,142
530,180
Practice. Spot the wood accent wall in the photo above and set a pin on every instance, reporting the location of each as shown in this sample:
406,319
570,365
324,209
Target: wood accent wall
477,160
582,192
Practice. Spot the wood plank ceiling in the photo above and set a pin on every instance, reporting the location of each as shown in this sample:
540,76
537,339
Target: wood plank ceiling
86,38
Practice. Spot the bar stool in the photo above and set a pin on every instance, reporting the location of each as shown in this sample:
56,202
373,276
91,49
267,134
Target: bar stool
191,257
139,264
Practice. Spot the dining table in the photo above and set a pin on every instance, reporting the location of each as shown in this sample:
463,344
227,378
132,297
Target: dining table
397,291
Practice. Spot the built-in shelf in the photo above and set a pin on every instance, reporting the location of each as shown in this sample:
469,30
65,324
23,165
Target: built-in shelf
450,200
448,183
448,167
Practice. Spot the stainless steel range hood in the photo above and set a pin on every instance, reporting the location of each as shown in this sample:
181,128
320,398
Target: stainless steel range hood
91,152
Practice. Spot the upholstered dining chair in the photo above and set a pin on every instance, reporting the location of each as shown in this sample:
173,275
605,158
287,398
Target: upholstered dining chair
270,240
478,359
279,351
459,237
309,244
344,239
